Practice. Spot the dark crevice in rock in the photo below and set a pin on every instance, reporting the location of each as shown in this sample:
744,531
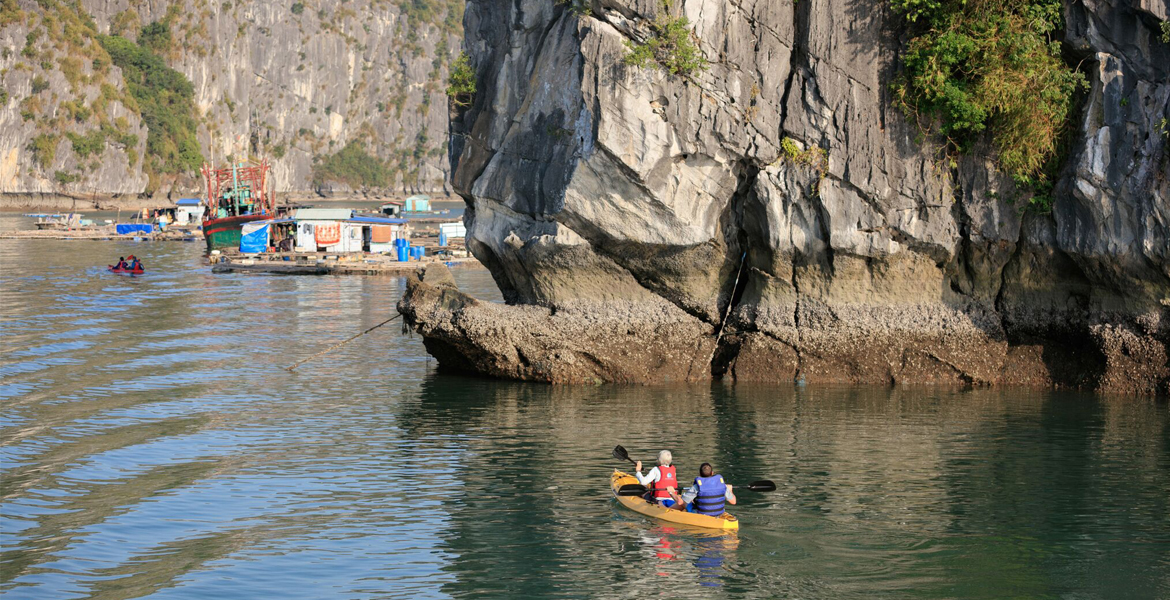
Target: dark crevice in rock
725,354
1003,276
738,239
960,277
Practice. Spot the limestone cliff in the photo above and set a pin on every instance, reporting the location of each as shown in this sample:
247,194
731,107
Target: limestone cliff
649,227
291,80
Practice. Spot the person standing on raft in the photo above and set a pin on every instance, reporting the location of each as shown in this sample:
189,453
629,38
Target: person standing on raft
708,494
662,481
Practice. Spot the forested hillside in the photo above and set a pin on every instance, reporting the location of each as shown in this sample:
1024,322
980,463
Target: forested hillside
129,98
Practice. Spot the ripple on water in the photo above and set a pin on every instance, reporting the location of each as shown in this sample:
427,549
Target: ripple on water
153,445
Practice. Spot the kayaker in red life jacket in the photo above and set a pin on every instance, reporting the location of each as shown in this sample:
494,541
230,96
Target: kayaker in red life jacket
662,481
708,494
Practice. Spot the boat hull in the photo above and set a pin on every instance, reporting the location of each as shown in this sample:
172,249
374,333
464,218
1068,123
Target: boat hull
224,233
650,509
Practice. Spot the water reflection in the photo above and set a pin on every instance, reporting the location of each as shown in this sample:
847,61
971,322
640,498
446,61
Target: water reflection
152,444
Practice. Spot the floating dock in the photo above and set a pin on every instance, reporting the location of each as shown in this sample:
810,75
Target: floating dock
320,263
104,233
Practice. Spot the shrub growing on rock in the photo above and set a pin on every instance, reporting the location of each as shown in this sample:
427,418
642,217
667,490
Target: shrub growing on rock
994,66
64,178
671,46
580,8
461,81
44,149
353,166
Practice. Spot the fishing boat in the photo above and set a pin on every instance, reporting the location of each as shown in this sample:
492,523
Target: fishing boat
238,194
657,511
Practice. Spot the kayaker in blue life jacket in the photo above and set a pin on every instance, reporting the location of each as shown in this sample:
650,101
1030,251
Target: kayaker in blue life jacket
662,481
708,494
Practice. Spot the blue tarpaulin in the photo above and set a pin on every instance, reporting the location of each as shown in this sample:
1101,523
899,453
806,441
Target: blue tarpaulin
128,228
254,238
188,202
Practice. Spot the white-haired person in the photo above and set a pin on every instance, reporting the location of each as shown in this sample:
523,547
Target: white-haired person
662,481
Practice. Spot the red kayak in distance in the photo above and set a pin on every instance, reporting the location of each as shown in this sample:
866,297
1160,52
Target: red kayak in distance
138,271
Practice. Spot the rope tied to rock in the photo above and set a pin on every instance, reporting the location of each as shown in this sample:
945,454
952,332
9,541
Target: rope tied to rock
341,343
727,312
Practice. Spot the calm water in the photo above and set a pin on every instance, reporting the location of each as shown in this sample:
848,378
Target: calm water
153,446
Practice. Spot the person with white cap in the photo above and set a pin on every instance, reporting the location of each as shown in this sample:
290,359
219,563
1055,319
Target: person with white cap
662,481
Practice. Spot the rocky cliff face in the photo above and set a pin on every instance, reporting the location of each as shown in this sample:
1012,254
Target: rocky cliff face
288,80
649,227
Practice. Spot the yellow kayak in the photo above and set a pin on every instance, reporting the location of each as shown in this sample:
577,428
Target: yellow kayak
650,509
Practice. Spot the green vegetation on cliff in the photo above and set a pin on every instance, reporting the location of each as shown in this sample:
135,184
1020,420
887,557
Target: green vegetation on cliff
164,98
579,8
671,46
994,66
461,81
353,166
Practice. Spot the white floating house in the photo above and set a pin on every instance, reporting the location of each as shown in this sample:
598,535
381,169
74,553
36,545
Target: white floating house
189,210
324,230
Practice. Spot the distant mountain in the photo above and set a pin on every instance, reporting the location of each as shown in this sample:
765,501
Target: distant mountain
101,98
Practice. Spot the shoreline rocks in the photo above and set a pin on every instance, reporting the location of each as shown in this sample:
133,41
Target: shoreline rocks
646,344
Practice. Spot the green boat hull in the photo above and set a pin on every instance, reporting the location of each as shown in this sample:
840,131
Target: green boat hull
224,234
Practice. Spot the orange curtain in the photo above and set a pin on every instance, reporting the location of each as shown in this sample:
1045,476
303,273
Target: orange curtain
327,235
381,234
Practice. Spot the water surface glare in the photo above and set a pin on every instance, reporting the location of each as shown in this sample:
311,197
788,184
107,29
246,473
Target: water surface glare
152,445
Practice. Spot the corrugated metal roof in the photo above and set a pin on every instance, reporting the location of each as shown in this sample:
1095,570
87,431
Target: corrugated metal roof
323,214
377,220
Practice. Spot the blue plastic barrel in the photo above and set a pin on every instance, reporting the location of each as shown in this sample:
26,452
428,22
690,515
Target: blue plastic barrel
402,256
422,251
442,239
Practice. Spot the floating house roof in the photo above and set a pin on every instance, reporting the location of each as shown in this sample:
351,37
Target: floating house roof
376,220
323,214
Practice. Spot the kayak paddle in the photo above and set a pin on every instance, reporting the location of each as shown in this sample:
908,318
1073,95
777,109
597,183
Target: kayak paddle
634,489
621,454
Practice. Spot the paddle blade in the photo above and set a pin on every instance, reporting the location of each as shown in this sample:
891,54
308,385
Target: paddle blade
631,489
620,453
762,486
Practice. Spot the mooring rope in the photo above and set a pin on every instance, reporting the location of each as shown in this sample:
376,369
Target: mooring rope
726,313
339,344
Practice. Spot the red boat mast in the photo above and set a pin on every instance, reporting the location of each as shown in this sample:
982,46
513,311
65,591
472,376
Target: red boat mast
240,189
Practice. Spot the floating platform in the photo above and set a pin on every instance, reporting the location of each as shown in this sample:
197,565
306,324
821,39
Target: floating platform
103,233
319,263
